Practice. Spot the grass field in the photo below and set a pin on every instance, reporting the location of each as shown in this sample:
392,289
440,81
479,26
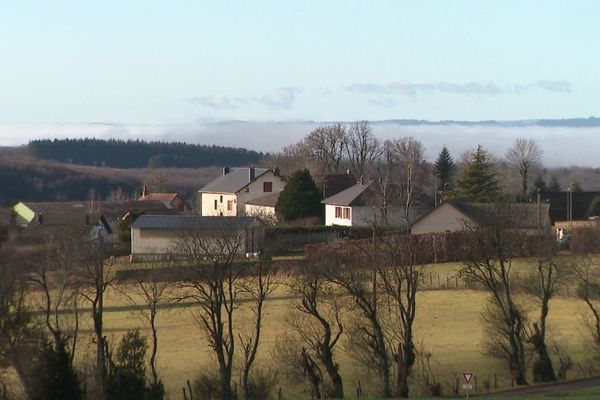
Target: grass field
448,326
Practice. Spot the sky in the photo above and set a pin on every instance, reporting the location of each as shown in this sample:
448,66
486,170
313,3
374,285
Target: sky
156,63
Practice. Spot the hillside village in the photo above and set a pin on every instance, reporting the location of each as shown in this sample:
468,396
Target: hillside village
332,227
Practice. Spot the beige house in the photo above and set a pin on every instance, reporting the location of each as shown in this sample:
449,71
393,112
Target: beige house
228,194
161,237
454,215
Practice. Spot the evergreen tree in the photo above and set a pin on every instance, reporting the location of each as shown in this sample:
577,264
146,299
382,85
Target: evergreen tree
54,377
444,170
554,185
301,198
478,182
576,187
594,209
127,375
540,184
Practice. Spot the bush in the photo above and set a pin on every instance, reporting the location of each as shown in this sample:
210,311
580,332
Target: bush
207,386
127,372
54,377
263,384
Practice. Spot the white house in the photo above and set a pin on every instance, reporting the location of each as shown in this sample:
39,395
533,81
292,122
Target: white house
359,205
228,194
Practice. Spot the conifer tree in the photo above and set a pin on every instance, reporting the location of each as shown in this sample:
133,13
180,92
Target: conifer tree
301,198
444,170
540,184
554,185
478,182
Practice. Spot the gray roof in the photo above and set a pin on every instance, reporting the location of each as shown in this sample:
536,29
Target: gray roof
268,200
192,222
234,181
357,195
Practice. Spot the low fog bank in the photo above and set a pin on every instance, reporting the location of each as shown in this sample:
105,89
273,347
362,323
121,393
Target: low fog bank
562,146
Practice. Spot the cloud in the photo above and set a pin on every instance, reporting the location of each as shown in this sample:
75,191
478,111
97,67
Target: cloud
414,89
218,102
557,86
386,102
481,88
280,98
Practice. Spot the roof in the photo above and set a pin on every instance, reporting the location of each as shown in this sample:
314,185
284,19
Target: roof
559,204
110,209
159,196
481,213
356,195
233,181
192,222
268,200
335,183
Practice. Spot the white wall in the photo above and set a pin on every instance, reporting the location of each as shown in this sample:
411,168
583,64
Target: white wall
330,218
255,189
264,212
208,204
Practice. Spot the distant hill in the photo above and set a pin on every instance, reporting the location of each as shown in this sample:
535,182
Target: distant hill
140,154
23,177
590,122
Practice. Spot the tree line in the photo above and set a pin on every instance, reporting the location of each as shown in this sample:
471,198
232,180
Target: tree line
140,154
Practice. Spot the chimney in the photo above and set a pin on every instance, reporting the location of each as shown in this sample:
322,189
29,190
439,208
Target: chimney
251,174
145,191
225,170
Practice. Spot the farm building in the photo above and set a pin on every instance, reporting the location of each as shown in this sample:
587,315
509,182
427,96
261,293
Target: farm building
453,215
164,237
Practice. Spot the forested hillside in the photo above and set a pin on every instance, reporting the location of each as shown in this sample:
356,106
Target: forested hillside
140,154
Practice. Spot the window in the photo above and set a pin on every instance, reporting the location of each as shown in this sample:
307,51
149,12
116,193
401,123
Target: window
267,186
342,212
220,199
215,204
229,205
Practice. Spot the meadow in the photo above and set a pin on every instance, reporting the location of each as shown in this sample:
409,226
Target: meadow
448,326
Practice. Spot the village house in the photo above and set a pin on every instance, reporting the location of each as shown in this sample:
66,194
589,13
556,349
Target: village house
360,205
454,215
159,237
171,200
228,194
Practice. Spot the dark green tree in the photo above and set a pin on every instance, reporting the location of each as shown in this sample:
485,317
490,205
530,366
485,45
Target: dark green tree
54,377
576,187
477,181
554,185
594,209
444,170
540,184
301,198
127,373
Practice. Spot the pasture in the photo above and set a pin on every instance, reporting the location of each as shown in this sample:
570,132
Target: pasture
448,325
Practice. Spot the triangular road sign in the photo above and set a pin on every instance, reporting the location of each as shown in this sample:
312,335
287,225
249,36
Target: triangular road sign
468,376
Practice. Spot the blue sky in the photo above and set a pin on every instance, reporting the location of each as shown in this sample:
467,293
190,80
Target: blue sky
178,62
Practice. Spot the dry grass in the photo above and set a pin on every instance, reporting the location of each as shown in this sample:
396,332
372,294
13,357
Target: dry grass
448,325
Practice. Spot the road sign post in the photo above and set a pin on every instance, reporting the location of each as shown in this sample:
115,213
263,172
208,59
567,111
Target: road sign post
468,377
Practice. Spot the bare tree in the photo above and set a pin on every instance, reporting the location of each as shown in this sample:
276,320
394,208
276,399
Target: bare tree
493,242
368,344
55,274
542,286
325,147
94,279
259,284
362,148
587,271
153,292
213,285
317,321
524,155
